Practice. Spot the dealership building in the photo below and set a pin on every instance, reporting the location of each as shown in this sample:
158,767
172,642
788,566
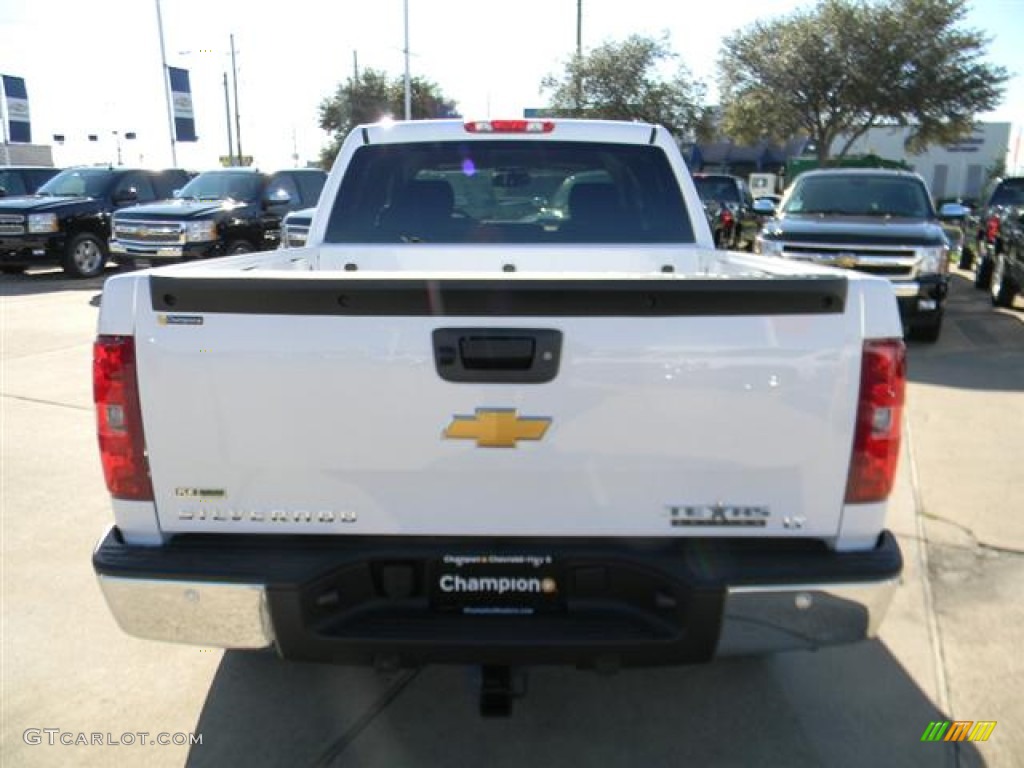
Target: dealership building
953,170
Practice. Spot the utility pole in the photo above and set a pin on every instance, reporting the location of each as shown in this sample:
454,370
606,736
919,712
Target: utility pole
227,112
167,85
355,67
238,117
408,83
579,56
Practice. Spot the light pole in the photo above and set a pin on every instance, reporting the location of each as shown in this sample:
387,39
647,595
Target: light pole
167,85
227,113
238,118
579,56
408,81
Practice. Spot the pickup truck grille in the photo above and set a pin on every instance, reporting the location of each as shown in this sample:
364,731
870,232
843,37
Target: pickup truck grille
149,232
882,261
12,225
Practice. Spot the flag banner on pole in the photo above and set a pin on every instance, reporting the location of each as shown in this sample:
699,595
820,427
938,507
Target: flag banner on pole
181,96
19,127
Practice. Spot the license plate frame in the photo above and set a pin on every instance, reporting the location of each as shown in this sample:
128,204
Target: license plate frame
497,584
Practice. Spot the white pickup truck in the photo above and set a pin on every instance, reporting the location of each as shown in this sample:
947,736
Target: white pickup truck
508,406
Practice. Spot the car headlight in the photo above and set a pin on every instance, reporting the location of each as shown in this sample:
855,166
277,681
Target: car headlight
200,231
769,247
933,259
39,223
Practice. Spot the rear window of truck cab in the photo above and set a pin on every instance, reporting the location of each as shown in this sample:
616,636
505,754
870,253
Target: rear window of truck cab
509,192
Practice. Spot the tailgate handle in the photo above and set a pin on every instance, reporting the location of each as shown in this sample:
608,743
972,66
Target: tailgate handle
497,355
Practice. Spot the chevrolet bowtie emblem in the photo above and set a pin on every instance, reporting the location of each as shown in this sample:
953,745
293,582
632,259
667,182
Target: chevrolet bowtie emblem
497,428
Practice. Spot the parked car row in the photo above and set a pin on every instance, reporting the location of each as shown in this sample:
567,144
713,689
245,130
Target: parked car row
997,234
82,217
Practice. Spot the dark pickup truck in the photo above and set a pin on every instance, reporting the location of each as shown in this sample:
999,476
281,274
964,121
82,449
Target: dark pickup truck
871,220
67,222
729,207
993,228
217,213
1004,257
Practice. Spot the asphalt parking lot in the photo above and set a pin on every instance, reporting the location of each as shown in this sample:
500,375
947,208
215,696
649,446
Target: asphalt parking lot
949,649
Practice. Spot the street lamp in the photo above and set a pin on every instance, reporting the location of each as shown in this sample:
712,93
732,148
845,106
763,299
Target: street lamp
235,159
129,136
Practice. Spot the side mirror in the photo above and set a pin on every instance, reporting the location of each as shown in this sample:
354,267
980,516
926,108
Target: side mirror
764,206
176,194
953,211
277,198
129,195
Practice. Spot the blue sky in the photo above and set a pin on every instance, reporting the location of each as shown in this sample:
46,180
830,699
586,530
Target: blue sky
94,67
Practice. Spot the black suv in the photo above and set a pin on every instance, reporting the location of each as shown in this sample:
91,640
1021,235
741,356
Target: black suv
878,221
217,213
67,221
24,179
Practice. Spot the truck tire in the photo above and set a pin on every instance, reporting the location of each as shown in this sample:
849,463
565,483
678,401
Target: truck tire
239,246
966,257
983,275
1002,288
927,333
85,256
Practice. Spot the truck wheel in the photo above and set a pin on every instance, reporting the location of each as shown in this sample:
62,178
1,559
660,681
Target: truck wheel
928,333
1002,288
85,256
239,246
983,276
966,257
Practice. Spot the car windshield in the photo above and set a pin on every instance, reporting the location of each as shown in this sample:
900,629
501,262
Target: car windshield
79,182
1009,193
859,195
224,185
510,191
714,189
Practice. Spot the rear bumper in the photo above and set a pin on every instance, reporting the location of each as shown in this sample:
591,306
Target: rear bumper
622,602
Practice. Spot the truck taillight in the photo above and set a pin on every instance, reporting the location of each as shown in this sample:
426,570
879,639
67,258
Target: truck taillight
992,230
115,389
876,440
726,217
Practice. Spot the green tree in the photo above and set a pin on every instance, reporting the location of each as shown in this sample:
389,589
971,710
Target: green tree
620,81
845,66
372,96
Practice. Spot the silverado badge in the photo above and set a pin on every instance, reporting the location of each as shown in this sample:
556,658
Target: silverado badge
497,428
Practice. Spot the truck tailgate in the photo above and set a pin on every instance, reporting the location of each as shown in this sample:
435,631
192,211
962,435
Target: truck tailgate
666,407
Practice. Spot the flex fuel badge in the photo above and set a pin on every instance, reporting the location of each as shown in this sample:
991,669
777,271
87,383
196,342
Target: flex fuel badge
179,319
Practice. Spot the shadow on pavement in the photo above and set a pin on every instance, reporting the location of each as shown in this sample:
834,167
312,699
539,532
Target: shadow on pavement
851,706
36,282
980,348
